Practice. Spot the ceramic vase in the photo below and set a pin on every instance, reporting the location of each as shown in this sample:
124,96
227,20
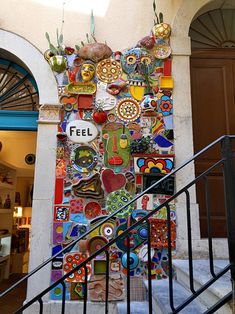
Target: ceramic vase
58,63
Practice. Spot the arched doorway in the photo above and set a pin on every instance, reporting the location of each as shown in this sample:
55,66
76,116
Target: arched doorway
32,60
212,65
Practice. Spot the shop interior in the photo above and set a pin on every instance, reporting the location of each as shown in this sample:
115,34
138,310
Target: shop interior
17,162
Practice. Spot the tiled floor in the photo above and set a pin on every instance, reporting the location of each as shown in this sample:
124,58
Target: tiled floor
13,300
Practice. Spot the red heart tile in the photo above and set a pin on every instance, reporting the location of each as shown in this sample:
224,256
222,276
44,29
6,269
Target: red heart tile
112,181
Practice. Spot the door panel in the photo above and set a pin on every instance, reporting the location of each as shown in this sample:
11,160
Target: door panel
213,109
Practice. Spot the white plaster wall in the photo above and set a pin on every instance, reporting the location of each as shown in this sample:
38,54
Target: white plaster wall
121,23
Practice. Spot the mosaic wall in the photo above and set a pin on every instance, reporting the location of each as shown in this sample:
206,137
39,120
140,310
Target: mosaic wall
114,140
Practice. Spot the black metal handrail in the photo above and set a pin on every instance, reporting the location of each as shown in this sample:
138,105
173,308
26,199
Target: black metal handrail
229,180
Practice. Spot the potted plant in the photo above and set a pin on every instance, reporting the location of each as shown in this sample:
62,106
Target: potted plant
160,29
56,54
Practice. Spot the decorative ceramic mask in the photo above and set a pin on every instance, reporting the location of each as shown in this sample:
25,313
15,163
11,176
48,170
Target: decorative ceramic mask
87,71
133,61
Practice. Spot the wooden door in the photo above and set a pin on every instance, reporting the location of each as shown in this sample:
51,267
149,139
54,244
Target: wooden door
213,110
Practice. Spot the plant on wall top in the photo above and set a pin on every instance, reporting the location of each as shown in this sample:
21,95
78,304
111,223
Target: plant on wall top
59,48
159,17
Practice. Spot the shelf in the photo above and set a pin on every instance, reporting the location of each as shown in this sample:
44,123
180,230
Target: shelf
7,186
6,211
5,235
4,258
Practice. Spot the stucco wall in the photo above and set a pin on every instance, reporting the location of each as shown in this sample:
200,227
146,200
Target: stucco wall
123,22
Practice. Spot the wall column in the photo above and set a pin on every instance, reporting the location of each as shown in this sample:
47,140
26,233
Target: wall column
43,198
183,133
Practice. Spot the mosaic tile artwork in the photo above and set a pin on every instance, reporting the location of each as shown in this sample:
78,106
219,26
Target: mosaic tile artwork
115,138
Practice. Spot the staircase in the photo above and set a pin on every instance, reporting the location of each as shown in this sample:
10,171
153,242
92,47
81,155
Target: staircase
206,300
160,295
193,286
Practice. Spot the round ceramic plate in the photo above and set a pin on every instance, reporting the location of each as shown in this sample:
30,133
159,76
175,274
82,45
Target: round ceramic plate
84,158
96,243
128,110
108,70
118,199
92,210
133,260
107,229
162,51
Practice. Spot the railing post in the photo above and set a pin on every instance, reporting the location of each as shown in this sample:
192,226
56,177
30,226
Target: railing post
229,189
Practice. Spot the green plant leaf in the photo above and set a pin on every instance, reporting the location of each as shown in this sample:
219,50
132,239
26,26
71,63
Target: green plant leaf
94,38
92,24
47,37
161,17
53,49
154,6
61,39
57,35
77,47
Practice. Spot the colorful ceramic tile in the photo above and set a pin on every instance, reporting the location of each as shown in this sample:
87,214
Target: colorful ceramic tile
159,233
86,114
90,187
112,181
77,290
168,122
59,186
166,187
58,233
84,158
108,70
95,244
116,139
76,205
71,260
56,275
128,110
81,131
61,213
162,213
165,105
56,292
60,168
57,263
92,210
145,202
118,199
155,165
81,88
107,229
85,102
161,264
97,288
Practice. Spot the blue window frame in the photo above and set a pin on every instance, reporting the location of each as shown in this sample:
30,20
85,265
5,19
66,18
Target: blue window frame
18,98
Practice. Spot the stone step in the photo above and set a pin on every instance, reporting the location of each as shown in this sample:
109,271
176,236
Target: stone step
160,296
136,308
202,274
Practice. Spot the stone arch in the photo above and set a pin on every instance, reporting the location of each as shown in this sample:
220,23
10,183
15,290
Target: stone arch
181,51
35,61
184,16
